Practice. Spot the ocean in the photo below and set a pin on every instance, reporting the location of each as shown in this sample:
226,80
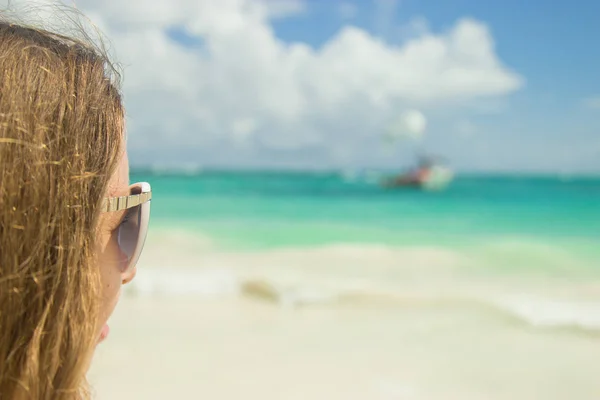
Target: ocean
539,230
306,209
489,289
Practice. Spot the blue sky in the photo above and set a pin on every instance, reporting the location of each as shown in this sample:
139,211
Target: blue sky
503,86
552,44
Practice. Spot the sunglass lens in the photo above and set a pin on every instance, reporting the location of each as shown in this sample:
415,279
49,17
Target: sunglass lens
129,232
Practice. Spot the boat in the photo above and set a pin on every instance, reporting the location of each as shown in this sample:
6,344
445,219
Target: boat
430,175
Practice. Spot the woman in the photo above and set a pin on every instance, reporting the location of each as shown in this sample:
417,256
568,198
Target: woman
71,226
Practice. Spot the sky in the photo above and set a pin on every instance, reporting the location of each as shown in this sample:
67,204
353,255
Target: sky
503,86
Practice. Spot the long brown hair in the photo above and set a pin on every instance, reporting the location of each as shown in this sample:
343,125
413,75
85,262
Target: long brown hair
61,134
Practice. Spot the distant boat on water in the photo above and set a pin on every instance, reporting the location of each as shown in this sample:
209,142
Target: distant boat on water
430,175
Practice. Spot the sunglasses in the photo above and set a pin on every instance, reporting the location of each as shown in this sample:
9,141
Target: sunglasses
132,230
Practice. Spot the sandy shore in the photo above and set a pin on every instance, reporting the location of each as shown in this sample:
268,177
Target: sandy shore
192,348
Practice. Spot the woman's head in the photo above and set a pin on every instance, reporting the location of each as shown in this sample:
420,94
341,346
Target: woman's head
62,152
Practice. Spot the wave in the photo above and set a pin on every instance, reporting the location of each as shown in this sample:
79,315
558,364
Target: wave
533,310
553,313
500,253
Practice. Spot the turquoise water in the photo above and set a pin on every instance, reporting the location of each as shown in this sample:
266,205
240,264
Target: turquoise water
257,210
528,246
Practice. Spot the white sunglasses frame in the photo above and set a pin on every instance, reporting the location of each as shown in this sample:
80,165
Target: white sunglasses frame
143,199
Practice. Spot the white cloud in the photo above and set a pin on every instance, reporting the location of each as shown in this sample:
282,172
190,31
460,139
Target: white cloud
410,124
284,8
347,10
416,27
246,85
466,128
243,128
592,102
385,11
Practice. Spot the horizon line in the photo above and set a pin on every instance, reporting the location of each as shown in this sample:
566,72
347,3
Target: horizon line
198,169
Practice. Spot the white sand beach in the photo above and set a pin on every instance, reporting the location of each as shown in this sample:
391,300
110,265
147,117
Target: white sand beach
241,343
